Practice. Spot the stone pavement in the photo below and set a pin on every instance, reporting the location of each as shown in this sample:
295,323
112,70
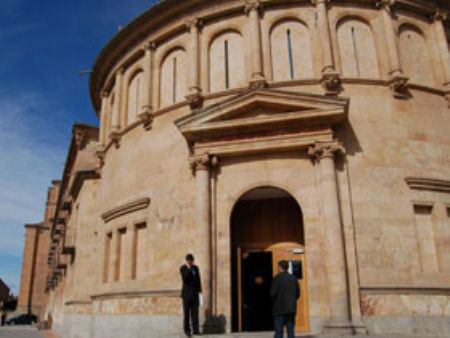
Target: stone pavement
19,332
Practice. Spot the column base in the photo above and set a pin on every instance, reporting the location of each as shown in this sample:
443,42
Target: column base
339,328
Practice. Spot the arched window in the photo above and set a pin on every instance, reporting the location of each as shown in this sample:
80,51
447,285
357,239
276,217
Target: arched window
135,88
173,78
291,51
357,49
227,62
414,55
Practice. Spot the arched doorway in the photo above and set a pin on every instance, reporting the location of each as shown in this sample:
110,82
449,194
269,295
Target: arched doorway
266,227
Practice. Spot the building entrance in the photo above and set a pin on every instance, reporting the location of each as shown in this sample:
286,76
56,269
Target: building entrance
266,227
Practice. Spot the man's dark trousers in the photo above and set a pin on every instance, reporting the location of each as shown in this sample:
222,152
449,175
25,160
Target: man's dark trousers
282,321
190,308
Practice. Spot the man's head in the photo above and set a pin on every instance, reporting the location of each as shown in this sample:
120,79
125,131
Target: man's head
283,265
190,259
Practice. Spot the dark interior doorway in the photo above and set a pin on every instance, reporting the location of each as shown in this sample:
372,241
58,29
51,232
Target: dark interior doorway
256,281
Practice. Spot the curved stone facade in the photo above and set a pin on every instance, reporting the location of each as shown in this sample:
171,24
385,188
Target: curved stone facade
341,104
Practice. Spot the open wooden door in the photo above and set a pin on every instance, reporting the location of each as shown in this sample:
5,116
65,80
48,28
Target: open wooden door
295,255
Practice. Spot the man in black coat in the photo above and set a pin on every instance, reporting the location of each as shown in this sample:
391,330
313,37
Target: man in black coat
192,287
284,293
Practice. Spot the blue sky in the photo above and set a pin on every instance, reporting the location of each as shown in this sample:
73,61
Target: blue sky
45,44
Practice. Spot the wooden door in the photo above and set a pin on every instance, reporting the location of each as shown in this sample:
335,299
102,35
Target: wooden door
295,256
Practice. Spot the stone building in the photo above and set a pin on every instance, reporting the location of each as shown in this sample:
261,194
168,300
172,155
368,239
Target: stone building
32,296
4,291
247,132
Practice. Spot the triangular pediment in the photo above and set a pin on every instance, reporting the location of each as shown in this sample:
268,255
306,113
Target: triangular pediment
264,109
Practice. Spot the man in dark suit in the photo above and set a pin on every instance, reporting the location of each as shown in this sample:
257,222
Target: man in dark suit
284,293
192,287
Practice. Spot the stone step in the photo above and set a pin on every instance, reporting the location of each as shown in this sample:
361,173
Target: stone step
271,334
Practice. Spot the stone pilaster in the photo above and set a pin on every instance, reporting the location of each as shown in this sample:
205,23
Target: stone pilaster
103,118
201,165
323,154
398,81
146,111
330,77
252,9
438,25
115,126
194,96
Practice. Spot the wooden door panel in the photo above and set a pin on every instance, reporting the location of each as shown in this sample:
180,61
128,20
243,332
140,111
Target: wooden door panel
295,254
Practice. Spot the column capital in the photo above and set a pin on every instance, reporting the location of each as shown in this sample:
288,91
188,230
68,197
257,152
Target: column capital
104,94
193,22
120,70
440,16
317,2
321,150
202,162
385,3
149,46
252,5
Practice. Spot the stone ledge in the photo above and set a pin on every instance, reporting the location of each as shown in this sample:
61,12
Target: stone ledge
432,184
136,294
425,290
126,208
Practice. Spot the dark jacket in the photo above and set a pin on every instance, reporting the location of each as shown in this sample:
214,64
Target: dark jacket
192,284
284,294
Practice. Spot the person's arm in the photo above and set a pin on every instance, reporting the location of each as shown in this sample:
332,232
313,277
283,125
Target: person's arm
199,281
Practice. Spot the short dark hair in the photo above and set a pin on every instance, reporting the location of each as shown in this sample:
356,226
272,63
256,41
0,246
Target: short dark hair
190,257
283,265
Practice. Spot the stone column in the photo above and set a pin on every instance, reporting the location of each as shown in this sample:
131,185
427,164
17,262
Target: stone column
103,119
330,77
323,154
258,80
201,166
146,110
442,44
194,94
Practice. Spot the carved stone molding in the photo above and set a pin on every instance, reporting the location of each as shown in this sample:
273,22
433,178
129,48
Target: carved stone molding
100,153
331,82
146,116
399,86
104,93
432,184
440,16
80,139
149,45
320,150
127,208
316,2
258,82
136,294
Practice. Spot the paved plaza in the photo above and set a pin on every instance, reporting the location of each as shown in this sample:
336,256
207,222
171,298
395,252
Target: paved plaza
19,332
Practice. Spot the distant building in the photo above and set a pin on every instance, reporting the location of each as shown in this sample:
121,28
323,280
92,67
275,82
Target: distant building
4,291
249,132
32,296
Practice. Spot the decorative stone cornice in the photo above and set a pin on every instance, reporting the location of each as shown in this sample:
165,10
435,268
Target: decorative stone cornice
321,150
127,208
432,184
